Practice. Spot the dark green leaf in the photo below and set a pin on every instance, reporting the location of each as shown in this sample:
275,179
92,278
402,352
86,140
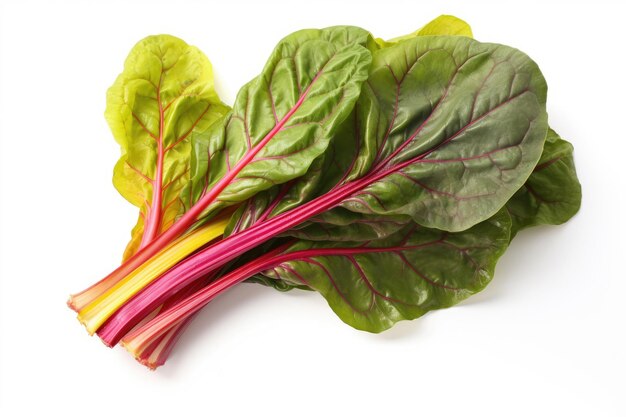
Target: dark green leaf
452,126
552,193
372,286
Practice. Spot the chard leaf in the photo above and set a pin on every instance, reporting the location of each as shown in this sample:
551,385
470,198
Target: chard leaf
444,25
450,129
559,182
325,172
552,194
161,99
374,285
283,119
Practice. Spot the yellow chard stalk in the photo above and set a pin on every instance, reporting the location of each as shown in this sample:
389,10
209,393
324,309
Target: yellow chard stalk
98,311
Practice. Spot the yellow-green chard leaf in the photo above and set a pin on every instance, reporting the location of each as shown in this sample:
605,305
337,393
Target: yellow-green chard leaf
444,25
164,97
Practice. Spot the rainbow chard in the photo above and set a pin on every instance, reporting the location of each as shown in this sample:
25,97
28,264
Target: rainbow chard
280,123
445,131
387,175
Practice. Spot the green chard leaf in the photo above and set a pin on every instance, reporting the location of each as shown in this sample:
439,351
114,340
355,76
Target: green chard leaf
163,97
552,194
283,119
327,170
371,286
451,127
325,173
559,182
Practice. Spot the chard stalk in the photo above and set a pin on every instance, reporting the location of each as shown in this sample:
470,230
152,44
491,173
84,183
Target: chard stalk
98,311
141,339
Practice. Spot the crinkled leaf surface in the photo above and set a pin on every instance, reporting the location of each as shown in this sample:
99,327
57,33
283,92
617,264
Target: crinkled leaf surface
283,119
164,95
325,172
374,285
552,194
451,128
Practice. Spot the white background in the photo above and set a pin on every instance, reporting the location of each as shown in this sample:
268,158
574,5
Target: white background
546,338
